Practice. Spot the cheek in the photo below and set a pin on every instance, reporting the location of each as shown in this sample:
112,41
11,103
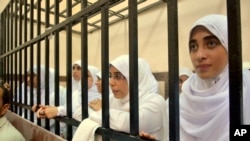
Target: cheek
90,82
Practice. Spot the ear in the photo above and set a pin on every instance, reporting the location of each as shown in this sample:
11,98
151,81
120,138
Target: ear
5,108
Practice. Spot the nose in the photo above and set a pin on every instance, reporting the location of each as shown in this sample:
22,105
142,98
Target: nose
111,81
201,54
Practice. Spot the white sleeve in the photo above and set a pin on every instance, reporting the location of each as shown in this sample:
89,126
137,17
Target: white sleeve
150,116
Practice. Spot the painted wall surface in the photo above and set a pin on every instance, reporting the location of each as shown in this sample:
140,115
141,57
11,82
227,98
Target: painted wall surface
152,33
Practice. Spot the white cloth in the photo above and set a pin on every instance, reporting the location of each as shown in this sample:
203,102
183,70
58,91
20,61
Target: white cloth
92,95
204,104
185,71
149,103
76,84
86,131
62,92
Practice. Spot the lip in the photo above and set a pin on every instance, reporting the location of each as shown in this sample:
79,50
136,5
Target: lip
115,91
203,67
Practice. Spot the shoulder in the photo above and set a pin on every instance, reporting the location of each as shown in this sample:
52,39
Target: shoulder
154,99
15,134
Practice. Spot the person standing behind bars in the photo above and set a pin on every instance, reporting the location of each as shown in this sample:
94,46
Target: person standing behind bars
38,108
149,103
76,76
204,102
7,131
93,93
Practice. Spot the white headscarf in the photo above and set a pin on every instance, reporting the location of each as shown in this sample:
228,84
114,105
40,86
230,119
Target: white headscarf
145,75
42,82
204,104
92,91
76,84
185,71
148,86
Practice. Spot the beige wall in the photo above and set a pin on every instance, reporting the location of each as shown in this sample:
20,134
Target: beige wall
152,35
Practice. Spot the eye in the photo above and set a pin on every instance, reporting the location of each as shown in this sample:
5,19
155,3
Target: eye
193,47
212,43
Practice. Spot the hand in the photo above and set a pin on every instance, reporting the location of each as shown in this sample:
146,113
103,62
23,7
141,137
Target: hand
41,112
50,111
7,86
34,108
96,104
146,136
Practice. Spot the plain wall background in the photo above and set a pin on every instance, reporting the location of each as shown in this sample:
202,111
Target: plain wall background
152,33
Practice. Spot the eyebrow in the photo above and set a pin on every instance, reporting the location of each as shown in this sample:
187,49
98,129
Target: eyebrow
205,38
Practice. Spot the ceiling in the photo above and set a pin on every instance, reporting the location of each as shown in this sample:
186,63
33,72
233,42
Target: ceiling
117,12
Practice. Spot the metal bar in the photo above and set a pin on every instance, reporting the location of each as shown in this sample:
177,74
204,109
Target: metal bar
6,70
11,56
105,67
69,67
235,64
84,61
173,62
16,53
31,59
20,57
47,63
61,26
25,58
38,55
57,62
133,67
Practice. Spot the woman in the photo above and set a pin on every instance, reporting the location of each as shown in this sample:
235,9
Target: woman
93,93
76,76
204,102
149,103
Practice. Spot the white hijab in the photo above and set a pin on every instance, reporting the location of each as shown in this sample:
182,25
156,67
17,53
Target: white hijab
204,104
145,76
42,83
76,84
92,91
147,84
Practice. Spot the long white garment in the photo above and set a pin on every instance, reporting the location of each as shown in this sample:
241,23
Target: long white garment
149,103
52,94
76,84
204,104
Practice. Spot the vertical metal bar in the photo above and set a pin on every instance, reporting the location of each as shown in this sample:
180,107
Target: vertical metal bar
9,43
1,44
235,64
133,67
38,55
31,57
15,54
105,66
57,62
84,61
47,55
20,56
25,57
173,61
11,56
69,67
6,70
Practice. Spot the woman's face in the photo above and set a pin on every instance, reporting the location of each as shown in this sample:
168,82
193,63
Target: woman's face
98,84
34,80
76,72
118,83
207,54
90,80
